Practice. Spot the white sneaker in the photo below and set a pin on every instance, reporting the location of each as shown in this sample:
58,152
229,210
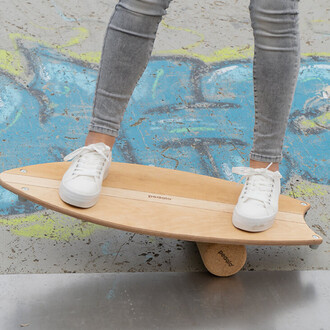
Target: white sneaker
82,182
258,202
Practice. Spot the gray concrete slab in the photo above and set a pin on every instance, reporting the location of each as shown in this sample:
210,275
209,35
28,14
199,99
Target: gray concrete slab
249,300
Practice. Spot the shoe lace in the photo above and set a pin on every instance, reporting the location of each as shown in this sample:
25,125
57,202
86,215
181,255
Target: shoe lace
89,160
259,183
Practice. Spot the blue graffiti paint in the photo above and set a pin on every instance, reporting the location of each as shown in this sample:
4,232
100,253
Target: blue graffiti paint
183,114
60,12
106,248
111,294
304,151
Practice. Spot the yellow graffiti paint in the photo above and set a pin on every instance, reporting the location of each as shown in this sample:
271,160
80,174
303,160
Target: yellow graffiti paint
316,54
223,54
10,60
160,73
198,34
324,218
91,57
317,20
50,225
322,120
308,189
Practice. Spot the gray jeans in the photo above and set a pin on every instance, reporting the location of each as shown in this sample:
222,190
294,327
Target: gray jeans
129,42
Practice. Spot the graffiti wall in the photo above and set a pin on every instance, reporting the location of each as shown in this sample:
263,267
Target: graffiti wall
189,112
183,115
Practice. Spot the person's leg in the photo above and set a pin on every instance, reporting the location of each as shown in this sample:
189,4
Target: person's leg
94,137
126,51
275,70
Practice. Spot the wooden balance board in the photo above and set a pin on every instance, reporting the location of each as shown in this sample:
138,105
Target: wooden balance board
168,203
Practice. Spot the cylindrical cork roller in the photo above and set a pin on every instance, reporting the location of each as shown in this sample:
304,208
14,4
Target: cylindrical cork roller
222,259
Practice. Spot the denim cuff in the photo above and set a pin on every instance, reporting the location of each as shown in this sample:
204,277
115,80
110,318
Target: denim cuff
103,130
268,159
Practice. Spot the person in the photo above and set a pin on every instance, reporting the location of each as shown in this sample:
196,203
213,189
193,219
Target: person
126,51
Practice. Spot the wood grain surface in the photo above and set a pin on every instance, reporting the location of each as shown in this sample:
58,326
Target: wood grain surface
163,202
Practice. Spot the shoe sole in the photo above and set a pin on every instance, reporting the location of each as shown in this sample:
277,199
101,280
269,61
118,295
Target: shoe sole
75,199
251,224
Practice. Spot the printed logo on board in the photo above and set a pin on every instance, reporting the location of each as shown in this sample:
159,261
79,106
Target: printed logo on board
225,258
159,197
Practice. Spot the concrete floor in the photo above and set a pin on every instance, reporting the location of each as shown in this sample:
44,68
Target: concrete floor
53,47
